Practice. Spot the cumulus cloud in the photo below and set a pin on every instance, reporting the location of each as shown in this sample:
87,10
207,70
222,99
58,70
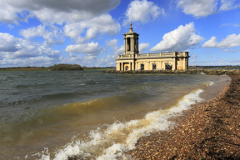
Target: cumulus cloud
182,38
119,51
8,43
54,11
228,5
230,41
12,47
210,43
143,46
109,61
52,37
33,61
198,8
88,48
142,10
93,26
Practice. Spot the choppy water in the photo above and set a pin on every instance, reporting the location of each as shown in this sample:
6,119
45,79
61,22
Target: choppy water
52,115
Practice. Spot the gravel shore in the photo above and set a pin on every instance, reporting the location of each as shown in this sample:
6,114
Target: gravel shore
208,131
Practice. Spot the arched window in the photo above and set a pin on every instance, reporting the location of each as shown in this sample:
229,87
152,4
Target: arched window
142,67
168,66
126,68
154,66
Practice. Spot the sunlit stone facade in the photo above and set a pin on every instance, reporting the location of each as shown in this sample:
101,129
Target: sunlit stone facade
132,60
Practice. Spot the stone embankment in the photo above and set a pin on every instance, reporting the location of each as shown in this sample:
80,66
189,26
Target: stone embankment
190,71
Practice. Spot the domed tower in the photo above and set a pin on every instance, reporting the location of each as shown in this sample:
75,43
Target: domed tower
131,42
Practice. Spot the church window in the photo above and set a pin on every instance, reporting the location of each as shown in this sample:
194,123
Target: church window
154,66
142,66
128,44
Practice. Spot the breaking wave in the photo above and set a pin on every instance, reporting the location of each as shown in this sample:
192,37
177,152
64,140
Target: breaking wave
111,142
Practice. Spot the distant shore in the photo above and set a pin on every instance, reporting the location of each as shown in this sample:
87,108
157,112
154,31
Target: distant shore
210,130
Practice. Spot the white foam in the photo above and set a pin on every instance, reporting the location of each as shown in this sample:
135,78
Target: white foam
110,143
211,83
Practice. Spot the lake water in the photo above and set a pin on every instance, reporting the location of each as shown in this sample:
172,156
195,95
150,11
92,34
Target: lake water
53,115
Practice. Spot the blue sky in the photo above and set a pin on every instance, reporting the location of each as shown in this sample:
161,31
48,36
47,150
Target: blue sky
90,33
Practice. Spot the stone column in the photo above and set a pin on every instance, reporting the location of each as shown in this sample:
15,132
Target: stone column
137,45
174,64
130,66
184,63
125,45
132,44
122,66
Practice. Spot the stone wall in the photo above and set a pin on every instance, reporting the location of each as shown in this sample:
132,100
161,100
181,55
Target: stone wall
190,71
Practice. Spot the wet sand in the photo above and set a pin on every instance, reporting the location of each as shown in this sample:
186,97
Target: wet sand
210,130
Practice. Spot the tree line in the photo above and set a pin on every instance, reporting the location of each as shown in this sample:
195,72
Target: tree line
69,67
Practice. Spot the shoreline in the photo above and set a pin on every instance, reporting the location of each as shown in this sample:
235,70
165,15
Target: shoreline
189,71
209,130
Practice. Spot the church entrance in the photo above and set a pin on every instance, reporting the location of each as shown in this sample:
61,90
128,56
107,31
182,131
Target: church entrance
142,67
126,68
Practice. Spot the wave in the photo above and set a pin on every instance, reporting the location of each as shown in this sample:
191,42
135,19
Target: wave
110,143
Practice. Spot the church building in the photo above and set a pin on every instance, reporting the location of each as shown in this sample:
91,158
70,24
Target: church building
132,60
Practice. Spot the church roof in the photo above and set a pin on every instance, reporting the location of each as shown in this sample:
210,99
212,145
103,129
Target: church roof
130,32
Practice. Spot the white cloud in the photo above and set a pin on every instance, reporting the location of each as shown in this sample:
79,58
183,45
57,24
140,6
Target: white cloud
52,37
94,27
142,10
182,38
211,43
112,43
108,61
232,40
119,51
235,61
143,46
229,24
10,26
225,50
231,50
194,56
198,8
221,60
8,43
12,47
228,5
33,61
88,48
54,11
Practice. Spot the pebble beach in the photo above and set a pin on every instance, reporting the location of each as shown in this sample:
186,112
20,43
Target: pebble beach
209,130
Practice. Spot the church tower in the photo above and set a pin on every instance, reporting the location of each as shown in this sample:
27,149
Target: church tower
131,42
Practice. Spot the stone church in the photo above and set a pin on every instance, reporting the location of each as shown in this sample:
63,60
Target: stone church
132,60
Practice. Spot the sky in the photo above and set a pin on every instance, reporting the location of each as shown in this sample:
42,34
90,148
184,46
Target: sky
90,32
